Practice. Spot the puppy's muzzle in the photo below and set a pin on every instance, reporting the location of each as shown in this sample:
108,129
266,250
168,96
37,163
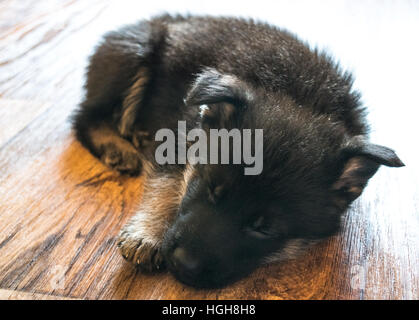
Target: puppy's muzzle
184,265
185,262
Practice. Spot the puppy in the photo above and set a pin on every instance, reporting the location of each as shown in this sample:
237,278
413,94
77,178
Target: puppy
210,224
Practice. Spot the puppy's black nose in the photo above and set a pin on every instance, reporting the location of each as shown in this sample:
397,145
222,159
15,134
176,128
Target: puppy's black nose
183,261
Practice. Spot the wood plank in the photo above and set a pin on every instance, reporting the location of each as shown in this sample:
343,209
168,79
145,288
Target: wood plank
15,115
19,295
60,209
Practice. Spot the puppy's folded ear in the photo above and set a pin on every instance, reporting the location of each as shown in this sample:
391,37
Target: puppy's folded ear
361,160
212,87
223,95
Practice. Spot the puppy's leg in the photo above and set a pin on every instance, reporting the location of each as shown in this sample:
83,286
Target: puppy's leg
114,151
140,240
131,103
117,78
115,147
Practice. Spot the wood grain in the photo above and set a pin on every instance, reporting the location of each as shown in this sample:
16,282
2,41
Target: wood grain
60,209
18,295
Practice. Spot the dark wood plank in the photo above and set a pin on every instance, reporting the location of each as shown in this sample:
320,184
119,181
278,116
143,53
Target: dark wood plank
60,209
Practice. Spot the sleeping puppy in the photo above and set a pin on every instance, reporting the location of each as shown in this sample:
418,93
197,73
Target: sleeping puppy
210,223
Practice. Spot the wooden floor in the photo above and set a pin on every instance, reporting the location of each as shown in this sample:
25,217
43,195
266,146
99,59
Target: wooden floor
60,209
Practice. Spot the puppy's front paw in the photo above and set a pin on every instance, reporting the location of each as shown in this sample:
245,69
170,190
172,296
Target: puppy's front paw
145,255
122,157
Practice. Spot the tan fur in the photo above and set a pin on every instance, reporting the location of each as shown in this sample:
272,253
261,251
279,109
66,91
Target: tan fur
292,250
188,173
141,238
131,102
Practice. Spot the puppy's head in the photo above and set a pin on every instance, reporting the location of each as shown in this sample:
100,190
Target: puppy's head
230,223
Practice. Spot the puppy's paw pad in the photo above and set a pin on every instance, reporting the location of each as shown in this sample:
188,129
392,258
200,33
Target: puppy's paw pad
146,256
123,158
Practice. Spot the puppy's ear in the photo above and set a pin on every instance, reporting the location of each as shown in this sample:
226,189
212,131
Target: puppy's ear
361,160
212,87
221,95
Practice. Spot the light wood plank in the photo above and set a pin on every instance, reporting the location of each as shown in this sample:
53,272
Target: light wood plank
19,295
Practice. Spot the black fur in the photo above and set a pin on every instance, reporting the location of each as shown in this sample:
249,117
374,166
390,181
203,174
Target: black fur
317,158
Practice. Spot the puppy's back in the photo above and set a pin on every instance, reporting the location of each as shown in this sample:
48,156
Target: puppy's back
265,56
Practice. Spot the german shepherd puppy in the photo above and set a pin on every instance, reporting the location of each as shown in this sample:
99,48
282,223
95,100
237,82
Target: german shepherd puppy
210,224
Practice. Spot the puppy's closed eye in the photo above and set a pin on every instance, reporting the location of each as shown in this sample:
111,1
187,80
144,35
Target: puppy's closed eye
215,193
259,230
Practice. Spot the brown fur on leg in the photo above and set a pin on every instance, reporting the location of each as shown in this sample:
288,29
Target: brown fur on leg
131,103
141,238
